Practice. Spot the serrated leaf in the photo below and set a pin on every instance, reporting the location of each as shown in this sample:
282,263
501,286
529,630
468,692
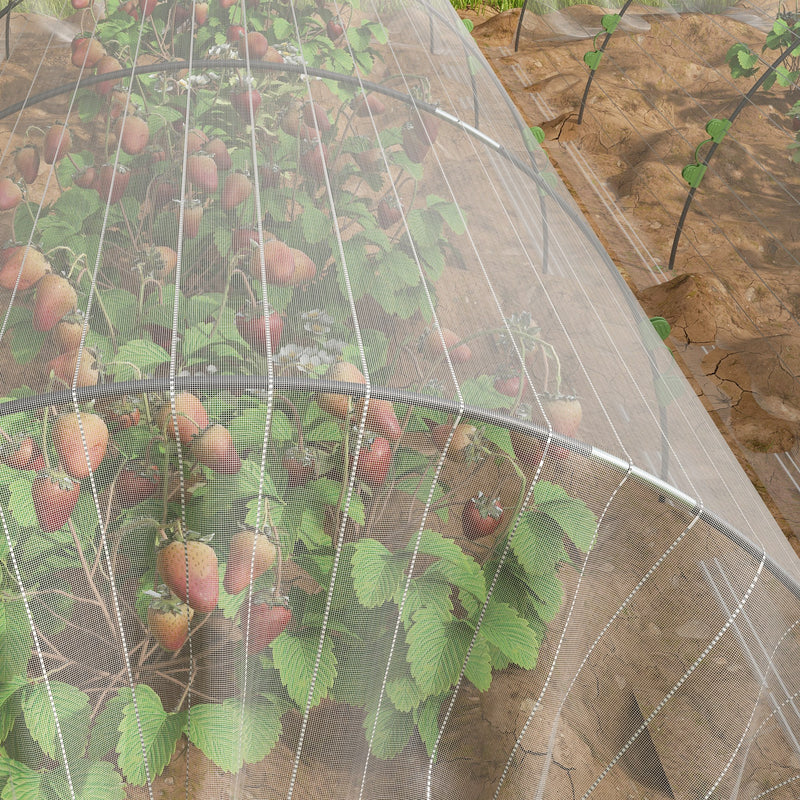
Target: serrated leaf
156,743
377,572
426,718
71,706
538,543
404,693
10,707
90,780
437,648
746,58
105,728
295,658
499,436
663,328
16,639
511,634
390,734
480,392
232,734
19,781
573,515
431,591
137,358
549,594
478,669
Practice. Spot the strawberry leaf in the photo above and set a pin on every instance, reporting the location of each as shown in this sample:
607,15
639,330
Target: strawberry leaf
390,734
295,657
478,669
87,780
437,648
105,728
426,718
377,573
404,693
18,781
573,515
232,733
154,745
10,697
60,715
511,634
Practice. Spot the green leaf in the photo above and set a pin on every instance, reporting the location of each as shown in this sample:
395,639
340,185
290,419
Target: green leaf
693,174
10,706
404,693
468,24
159,736
427,720
73,710
592,59
501,437
662,327
549,596
16,639
105,728
90,780
391,733
717,128
282,29
538,543
511,634
19,781
377,572
430,591
478,669
437,648
747,58
538,133
295,657
573,515
480,392
137,358
609,22
232,733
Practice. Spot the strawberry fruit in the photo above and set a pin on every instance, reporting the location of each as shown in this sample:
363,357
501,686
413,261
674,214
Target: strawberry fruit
252,327
79,460
480,517
374,460
136,482
54,496
262,623
55,297
251,555
26,160
22,267
191,418
168,620
189,567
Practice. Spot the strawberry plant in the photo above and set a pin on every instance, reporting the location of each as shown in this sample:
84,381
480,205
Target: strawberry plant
206,442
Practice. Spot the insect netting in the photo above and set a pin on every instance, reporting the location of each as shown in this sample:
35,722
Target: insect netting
337,457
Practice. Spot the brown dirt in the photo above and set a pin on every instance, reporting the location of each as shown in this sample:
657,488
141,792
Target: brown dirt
732,297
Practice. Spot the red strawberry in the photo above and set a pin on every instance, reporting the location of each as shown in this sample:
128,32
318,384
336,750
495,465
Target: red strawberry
201,170
80,461
262,623
137,481
316,118
214,449
86,178
57,143
368,105
507,386
105,65
79,5
458,353
269,175
26,160
243,239
86,52
19,452
217,149
191,418
252,329
249,551
202,578
380,417
373,463
131,9
299,465
388,213
24,264
242,98
168,620
10,194
195,140
64,366
480,517
334,28
369,159
55,297
255,45
135,135
338,405
235,32
278,261
54,495
236,189
313,160
112,182
120,414
416,147
200,13
147,7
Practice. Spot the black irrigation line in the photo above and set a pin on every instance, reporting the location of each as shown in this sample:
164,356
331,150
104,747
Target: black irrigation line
6,12
254,384
714,145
